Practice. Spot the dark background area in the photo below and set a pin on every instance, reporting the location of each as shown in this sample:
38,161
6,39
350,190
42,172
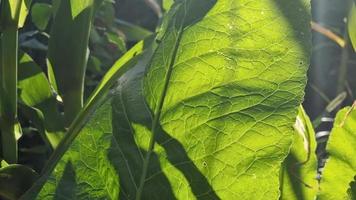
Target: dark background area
328,76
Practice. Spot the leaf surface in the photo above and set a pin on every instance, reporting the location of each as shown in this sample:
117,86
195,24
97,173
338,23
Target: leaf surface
300,167
340,169
38,103
68,52
208,115
41,14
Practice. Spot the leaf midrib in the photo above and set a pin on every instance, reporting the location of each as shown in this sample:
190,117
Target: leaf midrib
157,112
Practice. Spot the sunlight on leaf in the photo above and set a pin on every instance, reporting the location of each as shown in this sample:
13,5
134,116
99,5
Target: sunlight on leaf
206,112
340,169
300,167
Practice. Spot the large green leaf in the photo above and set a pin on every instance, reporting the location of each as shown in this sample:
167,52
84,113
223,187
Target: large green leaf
209,115
299,169
68,52
340,168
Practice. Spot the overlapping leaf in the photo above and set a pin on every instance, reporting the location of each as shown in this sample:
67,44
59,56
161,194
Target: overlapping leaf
299,169
68,52
38,102
340,169
208,115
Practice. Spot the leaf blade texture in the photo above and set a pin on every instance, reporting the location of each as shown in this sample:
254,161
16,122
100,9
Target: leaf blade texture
217,97
68,52
339,170
299,169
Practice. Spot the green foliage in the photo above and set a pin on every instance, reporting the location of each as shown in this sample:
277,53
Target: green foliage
338,177
203,109
101,93
68,53
12,15
352,25
340,168
106,43
131,31
38,102
15,180
166,4
41,14
205,112
24,10
299,169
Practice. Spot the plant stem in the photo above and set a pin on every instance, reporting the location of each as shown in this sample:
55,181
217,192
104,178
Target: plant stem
10,12
8,97
343,67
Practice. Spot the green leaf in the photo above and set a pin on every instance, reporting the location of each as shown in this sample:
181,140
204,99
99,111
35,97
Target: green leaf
41,14
340,169
300,167
15,180
105,12
352,26
132,32
166,4
25,7
68,53
117,41
126,62
209,113
40,104
14,13
100,181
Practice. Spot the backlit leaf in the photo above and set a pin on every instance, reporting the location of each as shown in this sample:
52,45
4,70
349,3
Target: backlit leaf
300,167
340,169
39,102
208,114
